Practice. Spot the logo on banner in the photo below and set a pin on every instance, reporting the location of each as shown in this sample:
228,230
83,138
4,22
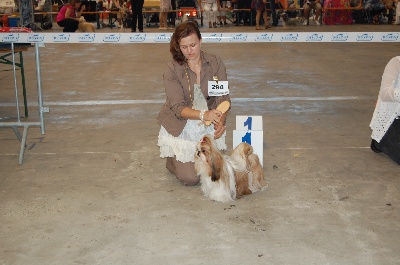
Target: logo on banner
390,37
112,37
61,38
238,37
36,38
162,38
365,37
137,38
11,38
290,37
86,37
340,37
264,37
213,37
315,37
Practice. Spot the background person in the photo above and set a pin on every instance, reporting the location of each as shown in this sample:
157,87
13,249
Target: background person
375,9
137,15
68,16
315,5
165,6
188,105
211,9
222,13
260,6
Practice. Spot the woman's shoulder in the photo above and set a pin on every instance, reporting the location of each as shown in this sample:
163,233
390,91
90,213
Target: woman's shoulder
173,69
66,6
174,65
211,58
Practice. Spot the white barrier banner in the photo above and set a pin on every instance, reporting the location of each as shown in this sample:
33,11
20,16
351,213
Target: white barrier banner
231,37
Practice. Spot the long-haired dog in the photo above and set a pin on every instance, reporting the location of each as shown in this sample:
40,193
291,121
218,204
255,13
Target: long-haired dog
84,26
225,178
289,22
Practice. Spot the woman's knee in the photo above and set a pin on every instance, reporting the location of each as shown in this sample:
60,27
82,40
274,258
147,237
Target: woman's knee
188,180
185,172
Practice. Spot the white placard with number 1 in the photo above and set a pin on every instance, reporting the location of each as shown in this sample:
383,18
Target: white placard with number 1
249,129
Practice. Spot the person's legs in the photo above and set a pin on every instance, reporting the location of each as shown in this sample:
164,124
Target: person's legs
207,12
170,165
165,19
246,14
273,13
183,171
162,25
135,7
258,16
265,17
140,15
306,9
223,15
68,24
318,11
397,14
214,15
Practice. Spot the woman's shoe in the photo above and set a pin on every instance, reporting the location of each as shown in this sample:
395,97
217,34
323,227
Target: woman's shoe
258,28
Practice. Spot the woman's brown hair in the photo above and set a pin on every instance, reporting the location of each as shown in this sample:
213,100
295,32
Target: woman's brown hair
182,31
73,2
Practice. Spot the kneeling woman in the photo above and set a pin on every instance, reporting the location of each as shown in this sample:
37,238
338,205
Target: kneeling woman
68,17
188,105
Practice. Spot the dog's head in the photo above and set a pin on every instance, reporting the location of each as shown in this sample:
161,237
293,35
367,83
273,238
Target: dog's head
82,19
241,156
284,17
208,159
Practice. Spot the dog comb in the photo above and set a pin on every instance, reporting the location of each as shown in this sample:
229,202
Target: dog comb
223,107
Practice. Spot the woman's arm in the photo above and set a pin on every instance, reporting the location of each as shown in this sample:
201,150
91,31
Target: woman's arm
68,13
79,13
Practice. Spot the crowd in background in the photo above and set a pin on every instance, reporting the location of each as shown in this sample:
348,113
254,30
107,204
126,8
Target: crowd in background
219,13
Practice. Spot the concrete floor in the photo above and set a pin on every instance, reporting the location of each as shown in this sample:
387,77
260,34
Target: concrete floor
93,189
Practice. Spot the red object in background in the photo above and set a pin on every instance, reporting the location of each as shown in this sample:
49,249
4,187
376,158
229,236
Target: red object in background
189,11
4,19
15,29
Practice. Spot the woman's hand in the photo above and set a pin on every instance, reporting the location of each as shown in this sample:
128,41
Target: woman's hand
83,8
213,115
219,130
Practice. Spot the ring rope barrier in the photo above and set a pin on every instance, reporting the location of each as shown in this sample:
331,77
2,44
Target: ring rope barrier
230,37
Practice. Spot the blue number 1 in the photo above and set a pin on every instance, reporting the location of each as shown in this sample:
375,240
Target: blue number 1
248,123
247,138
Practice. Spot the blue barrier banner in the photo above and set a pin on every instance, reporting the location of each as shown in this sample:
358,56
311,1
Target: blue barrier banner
230,37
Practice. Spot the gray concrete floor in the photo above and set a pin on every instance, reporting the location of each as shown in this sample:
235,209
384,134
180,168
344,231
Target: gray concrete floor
93,189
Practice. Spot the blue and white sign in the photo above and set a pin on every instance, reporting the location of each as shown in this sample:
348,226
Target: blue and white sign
164,38
249,130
